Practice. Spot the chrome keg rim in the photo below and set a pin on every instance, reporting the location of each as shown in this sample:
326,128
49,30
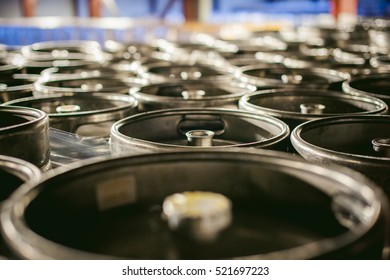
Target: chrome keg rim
42,50
30,245
238,89
118,139
73,119
308,148
347,86
263,81
128,103
37,116
245,103
38,123
119,70
22,169
144,72
41,87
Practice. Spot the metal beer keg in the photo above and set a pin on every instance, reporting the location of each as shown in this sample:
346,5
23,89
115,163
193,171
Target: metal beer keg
298,105
194,128
24,135
197,205
190,94
86,115
358,142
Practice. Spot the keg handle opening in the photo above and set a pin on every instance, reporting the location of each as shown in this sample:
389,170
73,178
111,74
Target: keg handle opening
200,138
381,146
213,123
312,108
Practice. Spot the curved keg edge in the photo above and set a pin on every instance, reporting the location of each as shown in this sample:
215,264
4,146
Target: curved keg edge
120,143
244,104
71,121
347,88
306,251
39,131
374,168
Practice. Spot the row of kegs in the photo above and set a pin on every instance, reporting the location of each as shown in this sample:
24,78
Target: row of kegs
272,146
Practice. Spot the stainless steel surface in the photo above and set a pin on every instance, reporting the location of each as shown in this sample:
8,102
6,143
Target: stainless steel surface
379,35
381,62
24,135
34,67
312,59
13,173
63,50
162,72
114,70
293,106
377,85
129,51
382,146
200,138
165,130
72,85
284,208
358,54
346,140
190,94
72,113
10,64
316,78
12,88
261,59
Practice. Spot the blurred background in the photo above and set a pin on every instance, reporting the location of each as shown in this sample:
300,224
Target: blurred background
26,21
217,10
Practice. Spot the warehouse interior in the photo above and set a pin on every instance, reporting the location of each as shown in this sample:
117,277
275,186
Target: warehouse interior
195,129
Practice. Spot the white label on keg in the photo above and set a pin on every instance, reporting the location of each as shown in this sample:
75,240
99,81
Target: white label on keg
116,192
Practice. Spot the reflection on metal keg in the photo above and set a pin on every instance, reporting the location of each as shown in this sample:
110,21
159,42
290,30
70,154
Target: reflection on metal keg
24,135
166,130
348,141
74,85
298,105
377,85
166,72
190,94
316,212
13,173
87,115
315,78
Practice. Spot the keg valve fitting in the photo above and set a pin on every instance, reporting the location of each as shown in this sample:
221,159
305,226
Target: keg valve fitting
311,108
382,146
200,137
198,215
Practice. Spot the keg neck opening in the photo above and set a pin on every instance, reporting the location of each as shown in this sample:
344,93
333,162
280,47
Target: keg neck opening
312,108
381,146
68,109
200,138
